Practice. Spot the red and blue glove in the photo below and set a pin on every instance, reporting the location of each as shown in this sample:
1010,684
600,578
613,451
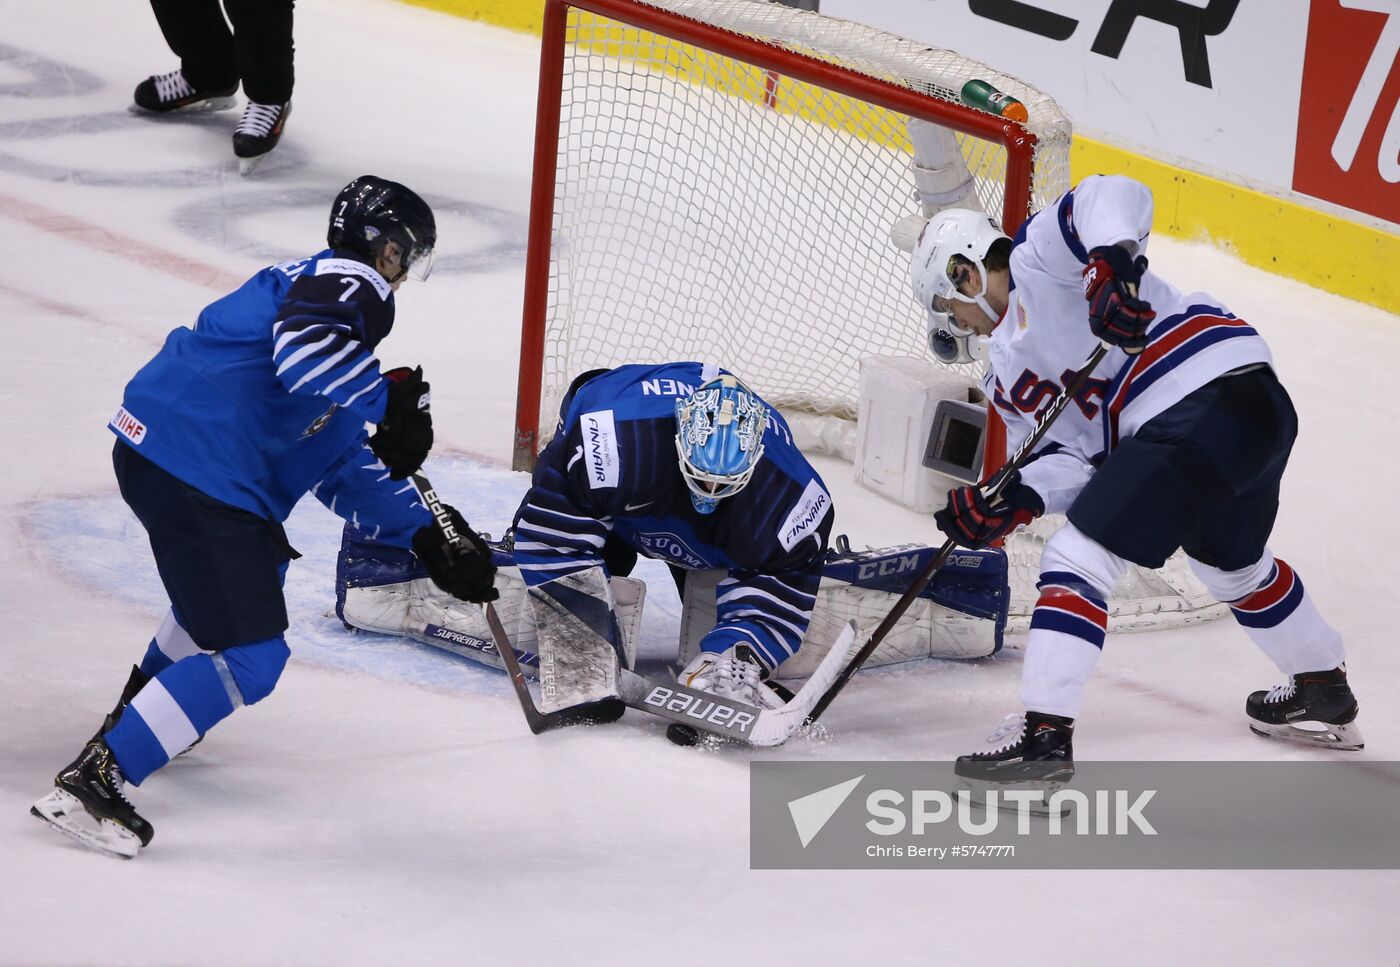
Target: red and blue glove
969,520
1116,315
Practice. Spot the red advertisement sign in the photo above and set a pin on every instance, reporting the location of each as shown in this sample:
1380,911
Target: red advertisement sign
1348,149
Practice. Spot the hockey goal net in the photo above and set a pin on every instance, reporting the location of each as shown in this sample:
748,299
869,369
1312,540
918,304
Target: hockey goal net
717,179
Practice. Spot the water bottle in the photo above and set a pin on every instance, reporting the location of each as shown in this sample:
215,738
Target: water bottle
982,95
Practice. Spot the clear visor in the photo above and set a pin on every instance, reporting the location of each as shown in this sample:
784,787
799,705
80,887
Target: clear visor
419,262
956,285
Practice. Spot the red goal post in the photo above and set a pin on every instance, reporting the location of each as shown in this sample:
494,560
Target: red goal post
866,83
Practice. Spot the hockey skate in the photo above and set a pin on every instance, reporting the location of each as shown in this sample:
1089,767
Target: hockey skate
89,804
258,132
1034,751
1314,708
734,674
167,93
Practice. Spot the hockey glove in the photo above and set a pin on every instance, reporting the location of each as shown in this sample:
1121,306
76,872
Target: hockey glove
1116,315
405,435
971,521
468,574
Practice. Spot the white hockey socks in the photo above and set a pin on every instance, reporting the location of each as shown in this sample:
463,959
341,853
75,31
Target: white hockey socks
1069,623
1269,601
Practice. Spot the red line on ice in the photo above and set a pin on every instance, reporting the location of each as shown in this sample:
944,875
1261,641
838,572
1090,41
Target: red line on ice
123,246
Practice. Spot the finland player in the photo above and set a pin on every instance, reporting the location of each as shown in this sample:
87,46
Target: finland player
219,435
684,463
1178,440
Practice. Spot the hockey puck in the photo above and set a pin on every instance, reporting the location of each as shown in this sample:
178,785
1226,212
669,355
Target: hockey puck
682,734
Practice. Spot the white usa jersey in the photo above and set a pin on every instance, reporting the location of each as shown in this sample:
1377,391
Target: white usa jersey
1045,336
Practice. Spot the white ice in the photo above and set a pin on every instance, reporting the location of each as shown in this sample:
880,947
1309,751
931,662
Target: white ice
387,805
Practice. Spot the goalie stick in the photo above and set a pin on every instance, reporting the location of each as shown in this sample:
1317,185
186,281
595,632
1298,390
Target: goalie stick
690,710
922,579
686,707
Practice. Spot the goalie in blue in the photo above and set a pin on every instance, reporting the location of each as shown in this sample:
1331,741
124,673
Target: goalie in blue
683,463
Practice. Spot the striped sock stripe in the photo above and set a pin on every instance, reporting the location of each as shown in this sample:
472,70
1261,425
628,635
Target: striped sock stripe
1067,605
1276,598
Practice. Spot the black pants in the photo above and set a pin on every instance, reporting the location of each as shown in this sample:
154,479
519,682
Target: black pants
221,565
1202,475
258,51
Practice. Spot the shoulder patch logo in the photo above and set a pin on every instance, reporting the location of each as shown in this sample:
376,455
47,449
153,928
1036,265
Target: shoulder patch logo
599,448
814,505
128,426
351,267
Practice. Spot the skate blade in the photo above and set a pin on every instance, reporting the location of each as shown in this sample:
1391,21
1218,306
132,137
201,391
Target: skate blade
208,105
980,787
246,166
1343,738
63,812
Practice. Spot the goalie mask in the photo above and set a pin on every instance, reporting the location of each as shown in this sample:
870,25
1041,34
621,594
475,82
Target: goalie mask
719,439
950,246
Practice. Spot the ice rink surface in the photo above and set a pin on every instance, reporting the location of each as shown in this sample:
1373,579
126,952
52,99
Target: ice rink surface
387,805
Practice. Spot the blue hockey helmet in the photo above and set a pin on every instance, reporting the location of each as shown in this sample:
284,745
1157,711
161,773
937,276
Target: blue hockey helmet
719,438
371,211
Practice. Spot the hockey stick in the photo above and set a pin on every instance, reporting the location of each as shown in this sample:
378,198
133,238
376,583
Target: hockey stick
921,581
606,710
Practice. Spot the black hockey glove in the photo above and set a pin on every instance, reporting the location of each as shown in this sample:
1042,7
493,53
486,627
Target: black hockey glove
405,435
1116,314
468,573
970,521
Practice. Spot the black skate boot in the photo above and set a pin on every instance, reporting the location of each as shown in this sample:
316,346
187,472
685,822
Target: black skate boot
1315,708
164,93
258,132
89,804
1037,752
134,684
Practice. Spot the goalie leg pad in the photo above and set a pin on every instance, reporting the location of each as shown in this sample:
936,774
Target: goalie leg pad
383,589
961,614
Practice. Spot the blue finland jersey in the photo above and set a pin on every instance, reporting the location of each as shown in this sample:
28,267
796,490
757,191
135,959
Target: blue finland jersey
267,397
612,468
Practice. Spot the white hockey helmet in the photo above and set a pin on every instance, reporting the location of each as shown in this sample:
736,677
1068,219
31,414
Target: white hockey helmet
952,241
719,439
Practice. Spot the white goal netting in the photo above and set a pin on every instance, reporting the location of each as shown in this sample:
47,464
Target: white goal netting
707,204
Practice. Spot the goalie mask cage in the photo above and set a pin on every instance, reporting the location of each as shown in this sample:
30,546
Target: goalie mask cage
717,180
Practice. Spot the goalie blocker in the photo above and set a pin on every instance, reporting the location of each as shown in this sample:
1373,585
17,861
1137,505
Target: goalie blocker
961,614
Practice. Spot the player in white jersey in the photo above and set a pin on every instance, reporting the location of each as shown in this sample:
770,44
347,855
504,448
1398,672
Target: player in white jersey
1179,439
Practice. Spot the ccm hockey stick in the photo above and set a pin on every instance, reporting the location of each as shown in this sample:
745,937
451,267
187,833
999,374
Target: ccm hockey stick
605,711
921,580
